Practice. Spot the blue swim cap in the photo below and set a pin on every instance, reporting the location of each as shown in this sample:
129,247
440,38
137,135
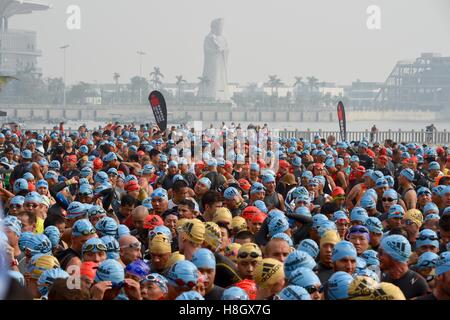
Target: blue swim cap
25,240
234,293
342,250
96,210
295,260
427,237
39,243
310,247
48,277
338,285
110,270
397,247
371,258
293,292
427,260
76,209
278,225
204,259
107,227
284,237
304,277
374,225
123,230
138,268
260,205
82,227
93,245
190,295
53,235
183,274
358,214
112,247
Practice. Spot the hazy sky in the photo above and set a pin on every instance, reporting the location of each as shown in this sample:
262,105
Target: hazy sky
325,38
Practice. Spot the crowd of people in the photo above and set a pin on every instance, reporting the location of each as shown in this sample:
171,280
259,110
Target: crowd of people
125,213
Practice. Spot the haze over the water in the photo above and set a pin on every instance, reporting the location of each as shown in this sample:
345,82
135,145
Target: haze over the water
325,38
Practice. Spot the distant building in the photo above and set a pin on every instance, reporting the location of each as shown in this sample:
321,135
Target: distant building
423,83
18,48
362,94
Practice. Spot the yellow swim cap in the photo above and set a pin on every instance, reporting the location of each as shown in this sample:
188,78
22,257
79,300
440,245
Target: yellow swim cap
268,272
160,244
213,236
223,214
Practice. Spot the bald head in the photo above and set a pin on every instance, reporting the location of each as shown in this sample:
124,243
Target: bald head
130,249
277,249
139,215
127,240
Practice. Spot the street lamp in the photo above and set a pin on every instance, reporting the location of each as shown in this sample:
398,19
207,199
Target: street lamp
64,50
140,53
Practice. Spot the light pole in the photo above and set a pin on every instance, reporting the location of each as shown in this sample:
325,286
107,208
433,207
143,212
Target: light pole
140,53
64,94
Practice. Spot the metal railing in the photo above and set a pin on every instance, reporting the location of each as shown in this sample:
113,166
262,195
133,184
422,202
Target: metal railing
435,137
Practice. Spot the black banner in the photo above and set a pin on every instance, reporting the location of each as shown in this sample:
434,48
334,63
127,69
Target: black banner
158,104
342,121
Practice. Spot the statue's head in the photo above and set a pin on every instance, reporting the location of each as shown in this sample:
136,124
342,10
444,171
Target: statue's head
217,26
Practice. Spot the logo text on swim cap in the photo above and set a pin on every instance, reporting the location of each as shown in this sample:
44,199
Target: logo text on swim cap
394,245
268,270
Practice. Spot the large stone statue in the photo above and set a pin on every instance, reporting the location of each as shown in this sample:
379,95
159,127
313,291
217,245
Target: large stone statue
214,82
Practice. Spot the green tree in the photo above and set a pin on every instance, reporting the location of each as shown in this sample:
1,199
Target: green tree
155,78
180,83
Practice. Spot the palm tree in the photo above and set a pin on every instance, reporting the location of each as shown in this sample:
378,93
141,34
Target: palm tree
298,82
155,78
180,82
271,83
312,83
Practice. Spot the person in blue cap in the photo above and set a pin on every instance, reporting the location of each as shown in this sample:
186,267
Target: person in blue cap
441,290
154,287
358,216
82,231
395,217
94,250
205,262
183,276
344,257
337,286
109,281
272,198
406,188
427,241
26,165
390,197
394,253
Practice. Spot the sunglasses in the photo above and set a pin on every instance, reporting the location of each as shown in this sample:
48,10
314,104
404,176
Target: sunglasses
85,232
422,238
429,263
135,245
86,194
252,254
358,230
387,199
182,283
31,205
98,246
16,206
409,222
313,289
